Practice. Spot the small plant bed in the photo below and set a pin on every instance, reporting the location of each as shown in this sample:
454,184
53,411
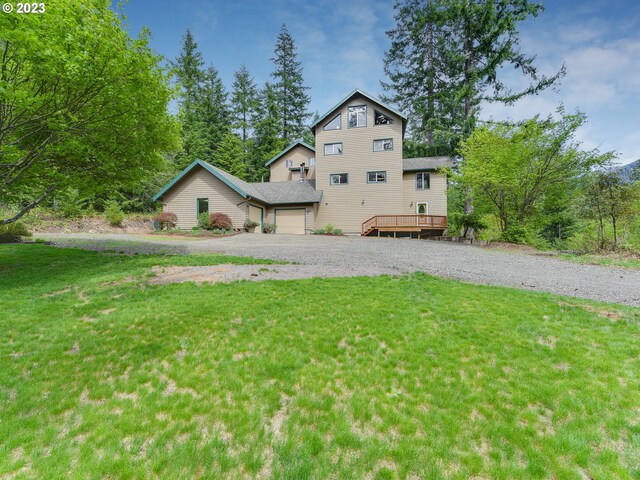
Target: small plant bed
195,233
329,230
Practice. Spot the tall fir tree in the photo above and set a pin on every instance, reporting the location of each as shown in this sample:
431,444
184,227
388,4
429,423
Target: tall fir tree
214,112
189,71
230,156
445,59
266,133
289,85
244,101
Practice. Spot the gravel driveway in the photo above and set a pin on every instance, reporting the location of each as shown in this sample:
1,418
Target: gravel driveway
463,262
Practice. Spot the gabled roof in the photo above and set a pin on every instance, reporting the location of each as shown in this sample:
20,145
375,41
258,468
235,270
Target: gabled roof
289,148
426,163
269,193
366,95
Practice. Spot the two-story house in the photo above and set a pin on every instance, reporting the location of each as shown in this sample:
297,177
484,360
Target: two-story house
355,179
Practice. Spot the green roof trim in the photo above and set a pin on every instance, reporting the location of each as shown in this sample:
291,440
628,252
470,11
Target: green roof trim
364,94
209,169
290,147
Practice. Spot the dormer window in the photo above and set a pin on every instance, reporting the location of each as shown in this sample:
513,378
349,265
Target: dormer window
357,116
335,123
382,119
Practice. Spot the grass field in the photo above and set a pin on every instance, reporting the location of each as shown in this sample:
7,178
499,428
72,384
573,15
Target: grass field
106,376
624,261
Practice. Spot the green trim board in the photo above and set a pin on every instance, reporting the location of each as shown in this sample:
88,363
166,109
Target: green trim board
366,95
208,168
289,148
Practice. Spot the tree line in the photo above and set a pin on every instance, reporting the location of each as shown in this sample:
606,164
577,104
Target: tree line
240,130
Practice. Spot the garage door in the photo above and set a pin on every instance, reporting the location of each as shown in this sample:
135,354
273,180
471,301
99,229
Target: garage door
255,214
290,221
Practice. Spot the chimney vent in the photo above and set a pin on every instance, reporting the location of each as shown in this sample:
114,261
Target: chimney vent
301,172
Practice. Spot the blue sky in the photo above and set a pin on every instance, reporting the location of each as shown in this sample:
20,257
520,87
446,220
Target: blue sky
341,45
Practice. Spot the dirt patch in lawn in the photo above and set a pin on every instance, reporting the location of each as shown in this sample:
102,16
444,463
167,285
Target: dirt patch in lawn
230,273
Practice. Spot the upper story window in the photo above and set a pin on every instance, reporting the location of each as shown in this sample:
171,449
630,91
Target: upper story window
423,181
335,123
357,116
382,145
339,178
312,161
376,177
288,163
382,119
333,148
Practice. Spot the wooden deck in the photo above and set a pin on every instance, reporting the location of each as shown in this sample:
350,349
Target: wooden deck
422,224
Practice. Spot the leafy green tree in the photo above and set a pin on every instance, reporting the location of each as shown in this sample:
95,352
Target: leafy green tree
266,127
73,113
290,89
514,168
230,156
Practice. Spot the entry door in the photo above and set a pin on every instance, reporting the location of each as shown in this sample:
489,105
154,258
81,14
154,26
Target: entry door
422,208
256,214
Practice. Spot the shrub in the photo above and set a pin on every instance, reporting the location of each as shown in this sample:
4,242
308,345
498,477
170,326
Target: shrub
269,228
328,228
220,221
13,232
249,224
320,231
337,231
166,220
113,213
203,221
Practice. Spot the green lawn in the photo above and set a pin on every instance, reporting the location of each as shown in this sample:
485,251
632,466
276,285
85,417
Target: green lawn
609,260
105,376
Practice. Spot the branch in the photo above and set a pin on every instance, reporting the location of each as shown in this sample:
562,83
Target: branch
28,207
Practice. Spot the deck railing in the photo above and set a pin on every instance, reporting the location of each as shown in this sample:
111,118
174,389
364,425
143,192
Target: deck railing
409,222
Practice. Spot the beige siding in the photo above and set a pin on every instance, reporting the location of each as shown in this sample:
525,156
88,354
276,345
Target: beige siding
436,196
348,206
300,154
181,199
311,212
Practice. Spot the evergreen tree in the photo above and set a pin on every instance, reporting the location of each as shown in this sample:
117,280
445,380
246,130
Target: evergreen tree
230,156
445,57
266,127
189,71
289,85
213,112
244,99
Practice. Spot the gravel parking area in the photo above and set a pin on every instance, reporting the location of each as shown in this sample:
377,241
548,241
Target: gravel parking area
463,262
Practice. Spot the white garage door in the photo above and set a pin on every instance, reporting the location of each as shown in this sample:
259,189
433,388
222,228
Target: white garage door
290,221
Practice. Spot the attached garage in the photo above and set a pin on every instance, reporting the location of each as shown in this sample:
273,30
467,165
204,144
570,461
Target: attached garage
290,220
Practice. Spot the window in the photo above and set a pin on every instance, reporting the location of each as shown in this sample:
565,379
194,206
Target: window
339,178
376,177
202,205
333,148
335,123
382,145
312,161
357,116
288,163
423,181
381,118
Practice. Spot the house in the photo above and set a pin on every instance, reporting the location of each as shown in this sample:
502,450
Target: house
355,179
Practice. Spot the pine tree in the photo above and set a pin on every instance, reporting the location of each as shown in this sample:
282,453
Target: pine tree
244,99
230,156
289,85
445,59
266,128
190,75
213,112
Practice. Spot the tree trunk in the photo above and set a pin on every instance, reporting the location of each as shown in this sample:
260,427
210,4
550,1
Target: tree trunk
430,78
